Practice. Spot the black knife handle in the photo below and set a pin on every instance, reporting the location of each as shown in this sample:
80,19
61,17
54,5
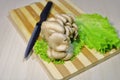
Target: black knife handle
46,11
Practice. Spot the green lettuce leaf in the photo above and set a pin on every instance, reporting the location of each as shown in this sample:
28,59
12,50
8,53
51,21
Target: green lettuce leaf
98,33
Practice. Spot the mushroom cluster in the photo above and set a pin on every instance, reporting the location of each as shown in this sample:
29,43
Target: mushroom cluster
58,31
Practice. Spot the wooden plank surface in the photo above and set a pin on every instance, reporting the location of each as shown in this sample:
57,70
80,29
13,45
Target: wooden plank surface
26,17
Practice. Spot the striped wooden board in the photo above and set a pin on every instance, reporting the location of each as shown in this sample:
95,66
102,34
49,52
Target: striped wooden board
26,17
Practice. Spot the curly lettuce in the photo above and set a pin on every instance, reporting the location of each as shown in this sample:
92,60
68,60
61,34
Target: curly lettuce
97,32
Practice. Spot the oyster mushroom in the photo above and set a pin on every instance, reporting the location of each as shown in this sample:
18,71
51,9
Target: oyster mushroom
58,54
75,30
69,53
72,17
65,55
58,42
49,27
51,19
69,19
58,31
67,31
68,24
75,26
49,52
69,56
55,54
57,20
60,21
61,18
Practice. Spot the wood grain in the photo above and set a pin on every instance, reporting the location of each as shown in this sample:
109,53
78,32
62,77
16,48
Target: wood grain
26,17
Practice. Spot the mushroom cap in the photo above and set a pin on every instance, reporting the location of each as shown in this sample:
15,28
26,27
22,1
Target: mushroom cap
59,42
69,53
58,54
49,27
56,19
69,56
51,19
59,16
68,18
49,52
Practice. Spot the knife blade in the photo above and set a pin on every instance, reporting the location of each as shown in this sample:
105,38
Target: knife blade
35,34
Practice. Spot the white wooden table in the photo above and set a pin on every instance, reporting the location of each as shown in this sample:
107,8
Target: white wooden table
12,46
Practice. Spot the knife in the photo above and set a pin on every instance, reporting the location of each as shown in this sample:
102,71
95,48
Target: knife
35,34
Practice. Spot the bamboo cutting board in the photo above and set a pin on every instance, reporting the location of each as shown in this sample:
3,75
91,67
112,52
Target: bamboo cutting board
25,19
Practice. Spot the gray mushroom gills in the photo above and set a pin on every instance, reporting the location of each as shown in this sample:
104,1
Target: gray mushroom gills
58,32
